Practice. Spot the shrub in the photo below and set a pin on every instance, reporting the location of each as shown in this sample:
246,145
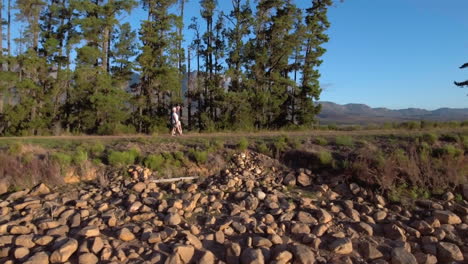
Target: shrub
344,141
97,148
200,157
280,145
448,150
464,140
79,157
263,148
325,158
15,148
123,158
449,138
243,144
321,141
64,160
154,162
295,143
217,144
429,138
179,156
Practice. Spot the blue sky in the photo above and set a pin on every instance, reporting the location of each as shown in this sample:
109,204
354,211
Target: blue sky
389,53
386,53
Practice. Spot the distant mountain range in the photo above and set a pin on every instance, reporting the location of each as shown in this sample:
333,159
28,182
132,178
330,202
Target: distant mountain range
363,114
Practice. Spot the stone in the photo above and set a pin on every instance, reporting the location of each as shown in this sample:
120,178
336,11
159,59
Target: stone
261,242
447,252
252,256
25,241
283,257
126,235
20,230
304,179
20,253
39,189
300,228
43,240
289,180
207,257
38,258
303,254
63,253
402,256
172,219
261,195
185,252
139,187
88,258
89,231
447,217
306,218
342,246
193,240
425,258
369,251
394,232
97,245
324,216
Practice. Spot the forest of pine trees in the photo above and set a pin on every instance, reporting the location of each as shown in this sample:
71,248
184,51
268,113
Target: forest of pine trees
72,69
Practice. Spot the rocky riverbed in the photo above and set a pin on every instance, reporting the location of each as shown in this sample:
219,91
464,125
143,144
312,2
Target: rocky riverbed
254,211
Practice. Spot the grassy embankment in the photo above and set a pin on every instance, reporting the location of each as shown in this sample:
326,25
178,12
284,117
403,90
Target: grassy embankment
402,163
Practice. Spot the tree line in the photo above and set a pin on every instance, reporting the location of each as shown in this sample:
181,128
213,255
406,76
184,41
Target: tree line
74,66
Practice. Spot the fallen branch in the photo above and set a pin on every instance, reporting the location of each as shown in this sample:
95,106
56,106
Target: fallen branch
174,179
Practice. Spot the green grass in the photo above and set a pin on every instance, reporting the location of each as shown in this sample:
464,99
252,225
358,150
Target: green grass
448,150
63,159
154,161
263,148
123,158
243,144
321,141
430,138
344,141
79,157
200,157
325,157
15,148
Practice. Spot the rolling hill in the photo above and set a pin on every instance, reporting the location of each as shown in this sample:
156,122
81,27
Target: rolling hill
363,114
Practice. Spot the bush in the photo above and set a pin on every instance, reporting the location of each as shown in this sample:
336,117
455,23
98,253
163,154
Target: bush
200,157
321,141
344,141
154,162
464,140
280,145
79,157
97,148
449,138
15,148
179,156
263,148
64,160
294,143
325,158
430,138
448,150
118,158
243,144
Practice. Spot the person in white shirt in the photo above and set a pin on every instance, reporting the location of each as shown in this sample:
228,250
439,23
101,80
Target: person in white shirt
174,121
179,124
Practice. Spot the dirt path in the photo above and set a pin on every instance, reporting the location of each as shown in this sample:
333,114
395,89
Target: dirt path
249,134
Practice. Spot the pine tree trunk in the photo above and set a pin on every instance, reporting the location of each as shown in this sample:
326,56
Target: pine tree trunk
105,49
9,32
189,91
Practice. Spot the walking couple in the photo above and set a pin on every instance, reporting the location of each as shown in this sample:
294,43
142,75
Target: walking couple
175,121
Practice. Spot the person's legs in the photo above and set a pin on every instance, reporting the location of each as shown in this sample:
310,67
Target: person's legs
179,128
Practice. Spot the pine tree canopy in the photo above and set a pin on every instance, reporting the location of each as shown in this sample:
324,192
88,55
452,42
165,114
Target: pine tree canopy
77,68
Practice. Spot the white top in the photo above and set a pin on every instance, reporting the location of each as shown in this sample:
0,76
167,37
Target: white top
175,117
